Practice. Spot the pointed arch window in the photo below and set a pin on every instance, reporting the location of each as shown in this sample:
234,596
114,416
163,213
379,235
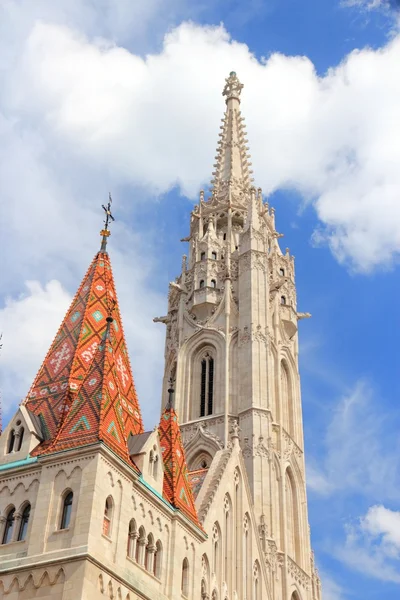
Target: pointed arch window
216,545
293,524
203,256
132,539
108,514
227,538
213,283
8,530
185,578
201,284
149,553
246,555
23,528
214,255
207,385
157,560
256,582
20,438
283,299
140,546
11,442
66,510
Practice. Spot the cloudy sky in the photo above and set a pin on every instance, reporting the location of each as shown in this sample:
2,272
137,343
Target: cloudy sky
125,95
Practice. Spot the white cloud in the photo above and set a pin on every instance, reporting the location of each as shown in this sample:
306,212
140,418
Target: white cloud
373,545
29,323
368,4
330,588
359,450
333,138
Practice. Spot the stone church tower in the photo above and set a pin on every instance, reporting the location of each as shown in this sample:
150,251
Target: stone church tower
211,504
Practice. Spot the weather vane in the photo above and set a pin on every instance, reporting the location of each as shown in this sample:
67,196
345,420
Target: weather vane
106,231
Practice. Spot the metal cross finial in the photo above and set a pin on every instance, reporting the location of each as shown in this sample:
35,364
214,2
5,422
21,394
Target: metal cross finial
109,217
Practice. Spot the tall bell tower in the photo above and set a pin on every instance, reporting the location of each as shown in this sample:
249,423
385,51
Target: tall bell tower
232,343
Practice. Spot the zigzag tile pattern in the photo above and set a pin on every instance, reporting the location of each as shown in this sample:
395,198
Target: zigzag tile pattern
176,488
84,391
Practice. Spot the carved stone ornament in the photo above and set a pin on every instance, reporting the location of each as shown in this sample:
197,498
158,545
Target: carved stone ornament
253,333
190,431
261,450
247,449
271,555
253,260
298,574
263,532
290,447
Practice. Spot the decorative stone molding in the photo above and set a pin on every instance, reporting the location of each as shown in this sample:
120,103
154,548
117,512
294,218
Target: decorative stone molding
250,448
253,260
214,484
298,574
189,432
289,446
271,557
253,333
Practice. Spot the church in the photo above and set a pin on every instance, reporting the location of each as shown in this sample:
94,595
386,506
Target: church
209,505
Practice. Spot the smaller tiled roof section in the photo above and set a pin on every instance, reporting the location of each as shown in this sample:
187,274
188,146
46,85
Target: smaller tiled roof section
101,410
196,480
176,487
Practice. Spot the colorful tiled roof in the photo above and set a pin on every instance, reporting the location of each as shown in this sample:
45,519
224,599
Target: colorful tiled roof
84,390
176,489
196,480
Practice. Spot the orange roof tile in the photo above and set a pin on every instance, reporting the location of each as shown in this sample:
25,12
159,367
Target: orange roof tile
176,489
84,390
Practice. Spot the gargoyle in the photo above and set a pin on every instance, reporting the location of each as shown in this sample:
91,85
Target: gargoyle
303,315
176,286
277,284
164,320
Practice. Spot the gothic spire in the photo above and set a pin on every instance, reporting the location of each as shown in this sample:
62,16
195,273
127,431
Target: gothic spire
176,487
232,175
87,368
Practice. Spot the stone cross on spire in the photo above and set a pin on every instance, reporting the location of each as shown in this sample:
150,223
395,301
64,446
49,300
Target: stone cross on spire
232,176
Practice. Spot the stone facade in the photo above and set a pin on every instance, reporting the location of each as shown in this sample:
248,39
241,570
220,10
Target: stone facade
84,524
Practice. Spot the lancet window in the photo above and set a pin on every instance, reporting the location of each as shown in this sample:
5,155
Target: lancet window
157,560
132,538
11,442
108,514
9,526
207,385
256,582
20,438
66,510
292,517
185,578
23,528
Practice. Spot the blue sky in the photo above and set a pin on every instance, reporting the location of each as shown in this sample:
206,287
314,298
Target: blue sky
122,96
